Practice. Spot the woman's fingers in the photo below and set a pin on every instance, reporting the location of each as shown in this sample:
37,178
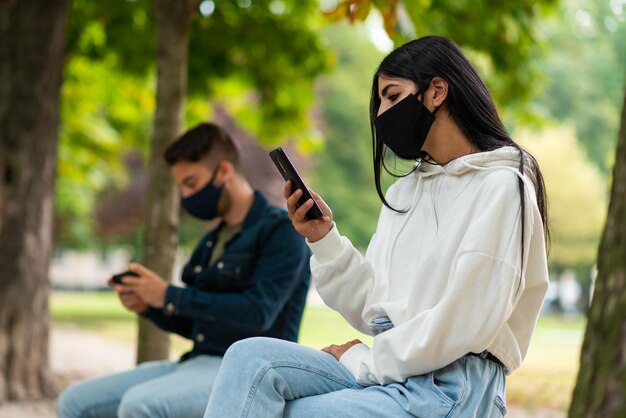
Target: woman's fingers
300,213
311,229
287,189
321,203
292,202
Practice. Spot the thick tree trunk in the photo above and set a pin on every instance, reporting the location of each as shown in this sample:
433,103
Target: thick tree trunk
601,385
172,19
32,41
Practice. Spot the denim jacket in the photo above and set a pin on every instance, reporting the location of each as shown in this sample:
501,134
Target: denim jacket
257,287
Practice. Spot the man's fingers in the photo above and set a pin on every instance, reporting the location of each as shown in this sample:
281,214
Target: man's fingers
120,289
130,282
139,269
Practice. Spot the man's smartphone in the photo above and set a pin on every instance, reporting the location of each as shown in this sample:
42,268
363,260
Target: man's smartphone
289,172
117,278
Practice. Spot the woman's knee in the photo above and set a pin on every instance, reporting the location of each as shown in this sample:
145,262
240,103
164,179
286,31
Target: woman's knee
135,405
75,401
67,405
255,348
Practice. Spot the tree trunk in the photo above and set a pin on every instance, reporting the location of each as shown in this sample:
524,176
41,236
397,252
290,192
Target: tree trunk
172,19
32,42
601,385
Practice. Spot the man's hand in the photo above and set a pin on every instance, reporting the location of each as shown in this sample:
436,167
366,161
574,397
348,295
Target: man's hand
338,350
130,299
149,287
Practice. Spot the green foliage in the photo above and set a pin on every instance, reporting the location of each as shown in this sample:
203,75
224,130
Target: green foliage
120,30
105,114
502,46
343,173
259,59
585,73
577,197
271,46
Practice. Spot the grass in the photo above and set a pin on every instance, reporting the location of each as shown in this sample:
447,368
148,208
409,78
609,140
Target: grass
545,380
547,377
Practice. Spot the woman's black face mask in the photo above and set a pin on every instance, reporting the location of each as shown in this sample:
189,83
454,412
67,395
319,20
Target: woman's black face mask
404,127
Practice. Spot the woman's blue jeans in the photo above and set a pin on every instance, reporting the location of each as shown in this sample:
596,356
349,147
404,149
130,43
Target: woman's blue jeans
154,389
264,377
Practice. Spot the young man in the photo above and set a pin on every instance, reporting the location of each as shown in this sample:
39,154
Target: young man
247,277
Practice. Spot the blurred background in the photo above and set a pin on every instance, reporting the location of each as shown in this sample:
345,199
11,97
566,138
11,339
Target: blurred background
298,74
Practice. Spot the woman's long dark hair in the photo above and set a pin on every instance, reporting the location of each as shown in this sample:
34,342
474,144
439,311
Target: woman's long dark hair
468,101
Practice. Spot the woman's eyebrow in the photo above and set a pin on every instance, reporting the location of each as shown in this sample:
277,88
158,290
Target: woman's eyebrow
384,92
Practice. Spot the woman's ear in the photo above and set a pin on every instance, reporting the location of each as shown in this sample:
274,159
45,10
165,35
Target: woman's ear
440,90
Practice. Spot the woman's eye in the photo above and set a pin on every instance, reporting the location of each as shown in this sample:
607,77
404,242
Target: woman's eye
393,97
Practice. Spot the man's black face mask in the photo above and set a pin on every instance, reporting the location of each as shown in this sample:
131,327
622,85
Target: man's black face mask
404,127
203,204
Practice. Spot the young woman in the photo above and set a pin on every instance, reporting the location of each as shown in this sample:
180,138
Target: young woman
452,282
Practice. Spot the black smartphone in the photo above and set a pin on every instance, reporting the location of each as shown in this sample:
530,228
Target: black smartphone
289,172
117,278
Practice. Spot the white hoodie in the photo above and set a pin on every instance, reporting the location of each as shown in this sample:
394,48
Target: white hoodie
447,272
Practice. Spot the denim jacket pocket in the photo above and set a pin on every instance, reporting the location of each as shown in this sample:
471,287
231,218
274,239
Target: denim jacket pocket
234,271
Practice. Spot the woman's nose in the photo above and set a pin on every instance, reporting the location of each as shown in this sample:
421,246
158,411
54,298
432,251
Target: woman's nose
381,109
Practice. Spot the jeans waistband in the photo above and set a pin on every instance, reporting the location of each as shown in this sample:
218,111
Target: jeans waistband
488,356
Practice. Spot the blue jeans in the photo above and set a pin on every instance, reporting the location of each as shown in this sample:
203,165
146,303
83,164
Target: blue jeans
263,377
153,389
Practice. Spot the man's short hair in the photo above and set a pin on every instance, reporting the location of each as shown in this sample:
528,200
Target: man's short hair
205,141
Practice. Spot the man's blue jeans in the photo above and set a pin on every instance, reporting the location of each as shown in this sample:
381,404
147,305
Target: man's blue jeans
263,377
153,389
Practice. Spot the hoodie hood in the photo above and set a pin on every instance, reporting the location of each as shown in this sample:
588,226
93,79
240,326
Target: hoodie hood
508,157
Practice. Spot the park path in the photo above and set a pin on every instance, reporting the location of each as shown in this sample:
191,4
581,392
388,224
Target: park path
76,354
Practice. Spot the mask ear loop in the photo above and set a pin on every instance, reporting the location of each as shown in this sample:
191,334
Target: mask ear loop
214,175
421,100
425,158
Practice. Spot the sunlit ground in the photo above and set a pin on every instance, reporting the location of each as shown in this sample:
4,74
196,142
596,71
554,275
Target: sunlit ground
545,381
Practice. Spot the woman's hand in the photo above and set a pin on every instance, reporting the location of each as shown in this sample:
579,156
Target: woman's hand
312,229
339,350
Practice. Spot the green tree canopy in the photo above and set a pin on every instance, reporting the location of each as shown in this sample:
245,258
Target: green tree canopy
500,36
584,73
258,58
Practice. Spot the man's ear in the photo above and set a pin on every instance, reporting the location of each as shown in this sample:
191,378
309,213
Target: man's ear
440,91
226,171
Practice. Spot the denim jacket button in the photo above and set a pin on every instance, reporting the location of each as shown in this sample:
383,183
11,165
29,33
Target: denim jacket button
209,244
220,265
200,338
169,308
197,269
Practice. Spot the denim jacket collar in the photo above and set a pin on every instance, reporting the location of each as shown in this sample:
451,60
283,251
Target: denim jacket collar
256,210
